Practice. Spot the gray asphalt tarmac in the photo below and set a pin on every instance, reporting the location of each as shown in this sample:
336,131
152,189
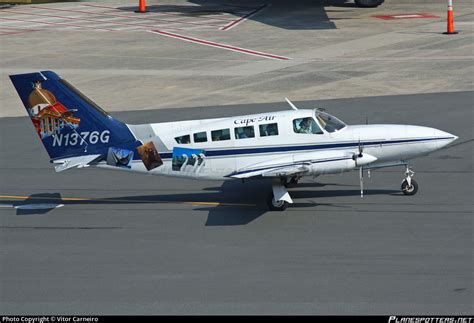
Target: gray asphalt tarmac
135,244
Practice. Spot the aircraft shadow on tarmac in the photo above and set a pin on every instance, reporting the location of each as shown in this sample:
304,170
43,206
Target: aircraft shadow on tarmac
294,15
236,203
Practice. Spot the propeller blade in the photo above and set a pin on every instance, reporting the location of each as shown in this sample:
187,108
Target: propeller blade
361,149
291,104
361,180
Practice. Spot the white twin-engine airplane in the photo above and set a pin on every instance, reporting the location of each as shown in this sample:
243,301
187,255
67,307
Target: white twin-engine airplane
283,145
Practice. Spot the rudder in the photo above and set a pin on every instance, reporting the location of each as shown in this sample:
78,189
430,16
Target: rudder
67,122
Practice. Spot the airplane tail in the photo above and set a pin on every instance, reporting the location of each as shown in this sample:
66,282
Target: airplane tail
67,122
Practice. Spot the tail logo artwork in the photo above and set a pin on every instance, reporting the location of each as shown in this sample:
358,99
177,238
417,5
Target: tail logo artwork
48,115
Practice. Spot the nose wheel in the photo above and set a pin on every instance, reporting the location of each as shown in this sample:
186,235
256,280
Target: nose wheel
409,185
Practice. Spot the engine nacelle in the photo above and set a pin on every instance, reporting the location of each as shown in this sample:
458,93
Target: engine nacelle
363,160
344,163
333,167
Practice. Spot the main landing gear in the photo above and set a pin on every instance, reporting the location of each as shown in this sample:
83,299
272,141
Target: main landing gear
274,205
279,198
409,185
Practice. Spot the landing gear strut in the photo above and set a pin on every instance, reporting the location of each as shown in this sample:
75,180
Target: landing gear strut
279,198
292,182
409,185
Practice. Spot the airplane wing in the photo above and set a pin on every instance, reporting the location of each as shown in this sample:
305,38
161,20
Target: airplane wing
276,171
79,162
289,166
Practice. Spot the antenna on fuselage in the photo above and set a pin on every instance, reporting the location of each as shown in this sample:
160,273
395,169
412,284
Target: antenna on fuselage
291,104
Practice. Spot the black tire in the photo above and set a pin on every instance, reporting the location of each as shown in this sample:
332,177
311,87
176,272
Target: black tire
409,190
276,205
368,3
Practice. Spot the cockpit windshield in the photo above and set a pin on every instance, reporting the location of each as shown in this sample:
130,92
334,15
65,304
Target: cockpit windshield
329,122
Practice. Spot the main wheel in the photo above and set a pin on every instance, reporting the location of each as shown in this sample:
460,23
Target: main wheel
276,205
409,190
368,3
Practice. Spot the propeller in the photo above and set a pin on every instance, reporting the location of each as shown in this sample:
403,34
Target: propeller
361,159
360,154
361,169
361,150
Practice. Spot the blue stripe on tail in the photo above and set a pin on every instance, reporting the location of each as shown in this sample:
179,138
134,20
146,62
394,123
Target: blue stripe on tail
67,122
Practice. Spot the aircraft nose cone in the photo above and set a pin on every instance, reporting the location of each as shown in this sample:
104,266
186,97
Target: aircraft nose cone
444,138
445,135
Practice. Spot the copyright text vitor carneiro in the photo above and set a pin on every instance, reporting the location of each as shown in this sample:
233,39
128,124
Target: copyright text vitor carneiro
49,319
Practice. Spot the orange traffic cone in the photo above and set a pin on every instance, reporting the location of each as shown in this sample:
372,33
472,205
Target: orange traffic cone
141,7
451,30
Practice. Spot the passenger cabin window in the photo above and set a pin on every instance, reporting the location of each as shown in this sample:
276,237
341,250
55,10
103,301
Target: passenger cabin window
200,137
222,134
270,129
307,126
244,132
186,139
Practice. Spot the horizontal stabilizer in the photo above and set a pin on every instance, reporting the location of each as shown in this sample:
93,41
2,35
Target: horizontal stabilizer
79,162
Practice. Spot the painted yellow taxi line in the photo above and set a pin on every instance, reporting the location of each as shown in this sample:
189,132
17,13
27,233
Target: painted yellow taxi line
19,197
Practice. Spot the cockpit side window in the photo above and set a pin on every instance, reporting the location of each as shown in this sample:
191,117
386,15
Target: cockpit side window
306,126
329,122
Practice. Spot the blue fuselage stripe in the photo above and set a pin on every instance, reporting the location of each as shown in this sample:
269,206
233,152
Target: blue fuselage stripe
261,150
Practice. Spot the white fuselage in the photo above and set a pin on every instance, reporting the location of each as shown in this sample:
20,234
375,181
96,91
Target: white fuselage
386,143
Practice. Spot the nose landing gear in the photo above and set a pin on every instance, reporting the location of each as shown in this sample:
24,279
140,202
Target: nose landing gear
409,185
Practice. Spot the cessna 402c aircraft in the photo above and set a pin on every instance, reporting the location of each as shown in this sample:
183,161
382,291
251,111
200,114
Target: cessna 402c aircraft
283,146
